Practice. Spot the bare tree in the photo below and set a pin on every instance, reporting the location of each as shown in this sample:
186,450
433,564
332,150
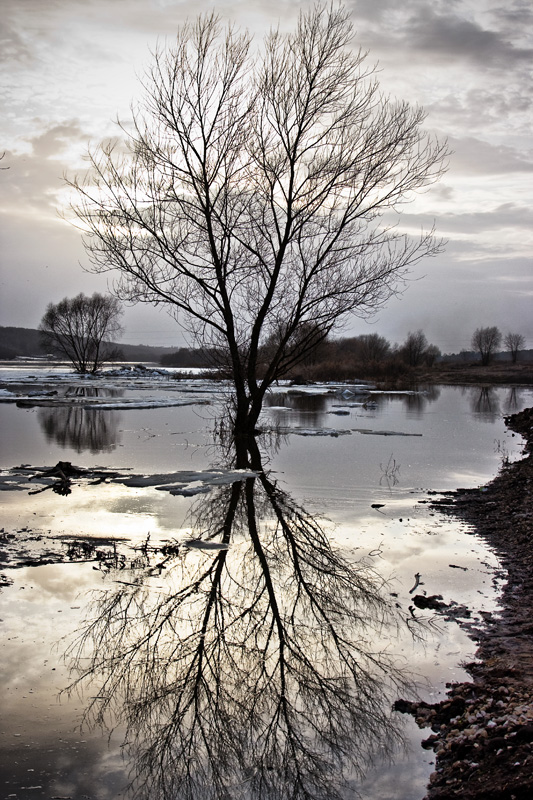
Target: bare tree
77,328
373,347
486,341
431,354
514,342
252,196
414,348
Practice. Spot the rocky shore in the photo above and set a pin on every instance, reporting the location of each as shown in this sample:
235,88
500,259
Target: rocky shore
482,733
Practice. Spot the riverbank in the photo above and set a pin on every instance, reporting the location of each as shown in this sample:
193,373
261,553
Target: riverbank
482,734
495,374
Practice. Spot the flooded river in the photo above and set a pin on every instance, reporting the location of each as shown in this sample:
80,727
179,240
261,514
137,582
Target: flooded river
172,629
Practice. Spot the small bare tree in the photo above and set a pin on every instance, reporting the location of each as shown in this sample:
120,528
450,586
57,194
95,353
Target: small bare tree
486,341
514,342
252,198
373,347
80,328
431,354
414,348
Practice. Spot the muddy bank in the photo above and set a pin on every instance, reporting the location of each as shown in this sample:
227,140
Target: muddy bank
466,374
482,734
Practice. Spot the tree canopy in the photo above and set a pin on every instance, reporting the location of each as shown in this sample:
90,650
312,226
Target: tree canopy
486,341
77,329
258,193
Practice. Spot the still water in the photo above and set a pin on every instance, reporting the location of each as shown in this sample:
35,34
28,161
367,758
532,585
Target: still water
265,668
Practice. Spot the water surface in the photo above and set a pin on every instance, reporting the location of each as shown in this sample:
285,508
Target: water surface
348,506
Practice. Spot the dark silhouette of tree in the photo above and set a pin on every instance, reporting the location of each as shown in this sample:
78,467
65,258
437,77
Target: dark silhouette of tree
431,354
514,342
414,348
80,328
252,197
486,342
254,670
373,347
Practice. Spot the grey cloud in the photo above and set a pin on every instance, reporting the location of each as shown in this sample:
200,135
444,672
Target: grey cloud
516,17
13,46
478,108
456,37
475,156
34,179
54,140
507,215
444,32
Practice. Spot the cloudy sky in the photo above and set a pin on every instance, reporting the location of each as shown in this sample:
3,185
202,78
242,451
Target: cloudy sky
70,67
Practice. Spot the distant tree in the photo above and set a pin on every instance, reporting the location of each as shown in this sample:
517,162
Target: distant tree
373,347
414,347
514,342
254,198
431,354
486,341
80,328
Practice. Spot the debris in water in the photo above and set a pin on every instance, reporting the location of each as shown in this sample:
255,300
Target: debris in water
199,544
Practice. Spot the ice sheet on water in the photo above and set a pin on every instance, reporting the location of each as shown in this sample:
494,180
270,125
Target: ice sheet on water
370,432
186,482
127,403
183,482
285,431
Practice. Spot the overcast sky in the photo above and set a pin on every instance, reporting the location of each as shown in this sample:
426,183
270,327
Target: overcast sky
70,67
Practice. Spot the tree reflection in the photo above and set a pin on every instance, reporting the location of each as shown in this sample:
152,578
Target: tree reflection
414,402
304,409
513,400
485,402
80,428
254,671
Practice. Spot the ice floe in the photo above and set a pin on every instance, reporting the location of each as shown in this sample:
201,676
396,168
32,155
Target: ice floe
370,432
298,431
187,482
184,482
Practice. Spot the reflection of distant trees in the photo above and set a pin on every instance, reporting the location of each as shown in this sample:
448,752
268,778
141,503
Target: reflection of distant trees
80,428
415,403
484,402
513,400
309,408
253,671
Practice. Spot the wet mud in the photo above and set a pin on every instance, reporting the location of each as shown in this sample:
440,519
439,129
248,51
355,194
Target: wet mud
482,733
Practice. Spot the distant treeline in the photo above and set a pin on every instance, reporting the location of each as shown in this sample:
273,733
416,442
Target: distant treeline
369,355
19,342
188,357
26,342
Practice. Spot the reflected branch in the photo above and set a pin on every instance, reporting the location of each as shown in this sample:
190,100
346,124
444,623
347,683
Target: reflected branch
249,672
